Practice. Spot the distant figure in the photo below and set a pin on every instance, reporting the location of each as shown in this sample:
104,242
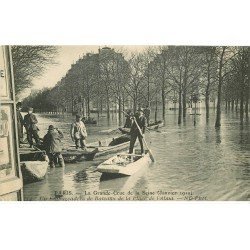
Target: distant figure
128,121
30,122
147,112
134,132
78,133
20,122
52,144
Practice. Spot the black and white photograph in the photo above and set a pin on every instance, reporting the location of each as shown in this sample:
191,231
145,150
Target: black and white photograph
125,123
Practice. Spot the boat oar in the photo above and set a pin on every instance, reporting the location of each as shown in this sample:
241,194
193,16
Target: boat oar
149,151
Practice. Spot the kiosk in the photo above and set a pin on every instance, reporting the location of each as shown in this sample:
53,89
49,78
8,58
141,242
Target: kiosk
11,183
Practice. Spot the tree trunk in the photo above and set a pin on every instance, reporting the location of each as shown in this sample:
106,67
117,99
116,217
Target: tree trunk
156,109
218,114
232,106
236,105
148,90
184,104
163,104
135,105
101,106
207,104
108,109
241,107
120,110
83,108
180,108
247,102
88,106
246,108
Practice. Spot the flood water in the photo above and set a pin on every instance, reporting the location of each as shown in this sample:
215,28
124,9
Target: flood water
192,163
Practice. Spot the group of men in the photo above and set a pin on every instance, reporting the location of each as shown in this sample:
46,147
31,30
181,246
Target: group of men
51,142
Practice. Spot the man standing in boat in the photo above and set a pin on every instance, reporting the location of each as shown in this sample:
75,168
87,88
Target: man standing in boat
78,133
30,122
53,146
134,132
20,122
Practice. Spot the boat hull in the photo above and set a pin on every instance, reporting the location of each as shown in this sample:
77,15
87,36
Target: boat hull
33,171
152,126
34,164
107,147
100,148
114,169
74,155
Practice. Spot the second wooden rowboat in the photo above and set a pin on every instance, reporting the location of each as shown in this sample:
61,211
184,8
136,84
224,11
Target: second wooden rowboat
151,126
71,155
95,149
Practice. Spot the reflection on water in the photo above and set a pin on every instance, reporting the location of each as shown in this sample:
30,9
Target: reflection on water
206,161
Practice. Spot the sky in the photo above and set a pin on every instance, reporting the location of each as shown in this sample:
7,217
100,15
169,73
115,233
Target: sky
68,55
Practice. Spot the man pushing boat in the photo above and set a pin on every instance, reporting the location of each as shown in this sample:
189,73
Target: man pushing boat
139,120
53,146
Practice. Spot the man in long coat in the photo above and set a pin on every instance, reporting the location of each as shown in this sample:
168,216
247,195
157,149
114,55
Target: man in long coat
134,132
30,123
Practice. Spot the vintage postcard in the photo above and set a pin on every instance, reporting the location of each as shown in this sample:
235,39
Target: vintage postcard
124,123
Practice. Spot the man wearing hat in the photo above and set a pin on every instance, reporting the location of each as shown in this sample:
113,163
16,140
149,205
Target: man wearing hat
20,122
134,132
78,132
30,122
53,146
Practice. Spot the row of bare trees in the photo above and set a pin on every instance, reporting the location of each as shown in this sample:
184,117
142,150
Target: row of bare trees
110,79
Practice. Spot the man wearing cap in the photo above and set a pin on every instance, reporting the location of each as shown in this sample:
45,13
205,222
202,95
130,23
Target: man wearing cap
30,122
78,132
134,132
20,122
53,146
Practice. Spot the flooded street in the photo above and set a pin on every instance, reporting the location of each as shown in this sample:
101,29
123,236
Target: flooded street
207,163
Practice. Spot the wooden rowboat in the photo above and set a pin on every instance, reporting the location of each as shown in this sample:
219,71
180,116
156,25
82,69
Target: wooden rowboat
95,149
124,164
34,164
156,125
112,145
33,171
151,126
71,155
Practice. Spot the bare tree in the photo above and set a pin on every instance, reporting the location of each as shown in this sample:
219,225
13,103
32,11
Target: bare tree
30,62
209,73
224,55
